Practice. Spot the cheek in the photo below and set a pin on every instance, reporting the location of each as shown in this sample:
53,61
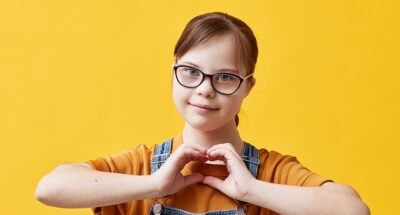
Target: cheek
179,96
233,105
175,94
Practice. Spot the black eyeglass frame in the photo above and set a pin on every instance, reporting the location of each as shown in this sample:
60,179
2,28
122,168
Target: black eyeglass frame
176,66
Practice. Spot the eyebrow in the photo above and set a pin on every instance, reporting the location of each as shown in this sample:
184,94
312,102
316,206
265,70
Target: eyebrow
218,70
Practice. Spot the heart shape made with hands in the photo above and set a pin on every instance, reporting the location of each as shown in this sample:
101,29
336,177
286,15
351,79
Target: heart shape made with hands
219,166
225,171
211,157
218,155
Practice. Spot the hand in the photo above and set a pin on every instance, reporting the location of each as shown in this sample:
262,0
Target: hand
169,179
239,180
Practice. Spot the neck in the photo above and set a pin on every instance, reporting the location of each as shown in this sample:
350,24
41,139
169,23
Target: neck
225,134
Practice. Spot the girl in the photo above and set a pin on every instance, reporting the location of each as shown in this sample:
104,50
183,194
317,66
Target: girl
208,168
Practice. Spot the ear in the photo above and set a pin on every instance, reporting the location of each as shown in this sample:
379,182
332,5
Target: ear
250,86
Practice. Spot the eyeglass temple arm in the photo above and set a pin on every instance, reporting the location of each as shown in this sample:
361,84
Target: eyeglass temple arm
248,76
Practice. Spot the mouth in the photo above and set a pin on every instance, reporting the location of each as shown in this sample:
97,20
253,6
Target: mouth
203,107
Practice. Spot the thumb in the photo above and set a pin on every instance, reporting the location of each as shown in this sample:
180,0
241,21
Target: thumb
193,178
213,182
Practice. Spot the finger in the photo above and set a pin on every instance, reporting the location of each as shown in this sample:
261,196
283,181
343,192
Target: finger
213,182
227,146
180,158
191,154
213,156
193,178
201,149
223,145
231,161
221,154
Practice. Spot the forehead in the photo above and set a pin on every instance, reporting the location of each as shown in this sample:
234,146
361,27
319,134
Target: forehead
215,54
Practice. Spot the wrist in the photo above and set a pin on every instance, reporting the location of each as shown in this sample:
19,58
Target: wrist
154,186
251,191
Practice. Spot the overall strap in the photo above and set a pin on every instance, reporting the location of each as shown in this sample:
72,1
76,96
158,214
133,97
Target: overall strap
161,154
250,157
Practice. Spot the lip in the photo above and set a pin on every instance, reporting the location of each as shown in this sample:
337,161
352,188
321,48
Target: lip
203,108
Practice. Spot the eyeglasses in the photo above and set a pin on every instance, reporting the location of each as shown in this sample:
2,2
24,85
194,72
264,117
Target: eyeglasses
224,83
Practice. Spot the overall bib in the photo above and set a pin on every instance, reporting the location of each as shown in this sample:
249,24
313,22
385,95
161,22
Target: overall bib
250,157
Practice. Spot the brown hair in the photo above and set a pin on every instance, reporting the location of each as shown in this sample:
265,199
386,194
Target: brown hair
205,26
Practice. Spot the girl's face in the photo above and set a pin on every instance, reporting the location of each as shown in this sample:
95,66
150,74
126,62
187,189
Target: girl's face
202,107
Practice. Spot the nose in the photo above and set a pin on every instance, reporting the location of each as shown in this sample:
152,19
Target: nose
206,88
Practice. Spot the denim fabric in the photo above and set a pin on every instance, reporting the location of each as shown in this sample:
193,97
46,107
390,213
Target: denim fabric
174,211
250,157
161,154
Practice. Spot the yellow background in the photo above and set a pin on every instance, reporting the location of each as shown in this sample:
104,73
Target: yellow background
82,79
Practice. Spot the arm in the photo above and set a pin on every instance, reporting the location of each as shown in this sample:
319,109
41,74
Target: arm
330,198
79,186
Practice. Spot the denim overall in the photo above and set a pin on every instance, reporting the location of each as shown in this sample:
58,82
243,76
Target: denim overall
250,157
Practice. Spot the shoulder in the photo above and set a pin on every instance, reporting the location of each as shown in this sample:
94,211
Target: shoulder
286,169
274,158
130,161
274,164
141,152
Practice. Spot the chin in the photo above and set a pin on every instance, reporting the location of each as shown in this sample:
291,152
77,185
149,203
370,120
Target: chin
207,125
203,126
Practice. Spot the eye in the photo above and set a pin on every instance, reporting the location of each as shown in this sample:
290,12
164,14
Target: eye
192,72
224,77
